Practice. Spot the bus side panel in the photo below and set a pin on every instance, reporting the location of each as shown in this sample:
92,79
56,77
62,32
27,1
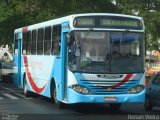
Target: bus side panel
43,71
56,76
38,73
53,68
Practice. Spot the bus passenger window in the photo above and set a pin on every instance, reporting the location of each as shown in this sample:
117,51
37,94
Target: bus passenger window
40,42
48,49
56,39
16,44
34,36
56,45
47,41
24,46
29,42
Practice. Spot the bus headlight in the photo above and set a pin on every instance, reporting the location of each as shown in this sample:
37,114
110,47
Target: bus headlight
136,89
80,89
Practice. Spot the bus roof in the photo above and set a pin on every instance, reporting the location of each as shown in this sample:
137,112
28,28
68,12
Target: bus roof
70,18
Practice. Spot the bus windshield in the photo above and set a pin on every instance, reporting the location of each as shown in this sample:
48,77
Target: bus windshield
106,52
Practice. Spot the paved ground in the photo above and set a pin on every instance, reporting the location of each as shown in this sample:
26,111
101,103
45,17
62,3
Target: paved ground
13,104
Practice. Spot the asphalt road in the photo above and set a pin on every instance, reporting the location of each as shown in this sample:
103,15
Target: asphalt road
14,106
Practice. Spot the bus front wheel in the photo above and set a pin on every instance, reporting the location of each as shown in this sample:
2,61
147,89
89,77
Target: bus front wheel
57,103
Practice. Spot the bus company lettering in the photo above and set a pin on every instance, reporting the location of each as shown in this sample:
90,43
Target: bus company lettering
36,65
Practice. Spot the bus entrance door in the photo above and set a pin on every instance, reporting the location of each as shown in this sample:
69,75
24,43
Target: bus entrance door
65,30
17,59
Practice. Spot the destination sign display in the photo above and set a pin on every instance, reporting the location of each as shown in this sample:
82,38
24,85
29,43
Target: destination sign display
85,22
108,22
120,23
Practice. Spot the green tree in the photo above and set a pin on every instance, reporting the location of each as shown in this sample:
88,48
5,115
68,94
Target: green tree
19,13
150,11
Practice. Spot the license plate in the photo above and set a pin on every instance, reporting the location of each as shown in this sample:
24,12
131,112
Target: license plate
110,99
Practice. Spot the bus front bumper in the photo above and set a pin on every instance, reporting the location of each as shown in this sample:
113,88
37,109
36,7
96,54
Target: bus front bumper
74,97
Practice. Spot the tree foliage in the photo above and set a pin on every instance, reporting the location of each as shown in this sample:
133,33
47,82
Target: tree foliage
18,13
150,11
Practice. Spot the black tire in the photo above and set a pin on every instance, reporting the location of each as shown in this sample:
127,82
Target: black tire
114,106
148,104
57,103
25,91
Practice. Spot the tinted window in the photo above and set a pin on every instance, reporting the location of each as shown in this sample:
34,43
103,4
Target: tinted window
47,41
56,39
40,41
16,44
34,36
28,42
24,46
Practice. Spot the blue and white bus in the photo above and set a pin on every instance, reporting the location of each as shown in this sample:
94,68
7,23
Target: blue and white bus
82,58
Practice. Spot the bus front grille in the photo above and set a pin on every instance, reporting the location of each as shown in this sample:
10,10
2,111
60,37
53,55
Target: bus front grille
102,87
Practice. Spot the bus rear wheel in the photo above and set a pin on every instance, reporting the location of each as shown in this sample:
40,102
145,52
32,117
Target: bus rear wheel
25,91
57,103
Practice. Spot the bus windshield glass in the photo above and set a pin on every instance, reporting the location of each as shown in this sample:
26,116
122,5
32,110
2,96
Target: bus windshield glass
106,52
